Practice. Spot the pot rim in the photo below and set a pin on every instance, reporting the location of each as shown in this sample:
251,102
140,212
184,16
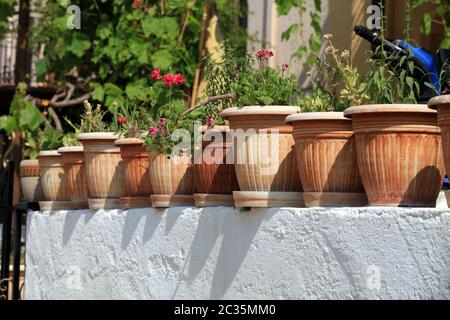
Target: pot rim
28,162
49,153
70,149
387,108
259,110
308,116
98,136
203,129
439,100
129,141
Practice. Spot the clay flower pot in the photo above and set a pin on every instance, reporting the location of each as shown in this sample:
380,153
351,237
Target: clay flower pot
399,154
172,181
264,157
53,181
73,159
136,176
442,105
104,170
30,181
326,159
215,179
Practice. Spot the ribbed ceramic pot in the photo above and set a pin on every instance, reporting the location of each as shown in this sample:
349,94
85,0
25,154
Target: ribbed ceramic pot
75,171
172,180
53,180
104,169
136,175
399,154
264,157
326,159
30,181
214,174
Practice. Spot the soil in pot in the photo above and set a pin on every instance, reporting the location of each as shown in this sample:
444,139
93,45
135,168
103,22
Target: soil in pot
172,180
75,172
215,179
136,175
30,181
326,159
264,157
54,183
104,170
399,154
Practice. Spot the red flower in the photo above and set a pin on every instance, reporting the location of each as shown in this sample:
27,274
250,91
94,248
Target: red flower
210,121
264,53
169,79
162,122
121,120
156,74
179,78
284,66
153,131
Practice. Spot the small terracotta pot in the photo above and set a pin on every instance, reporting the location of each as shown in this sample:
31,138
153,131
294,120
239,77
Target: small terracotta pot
399,154
136,175
30,181
326,159
54,182
73,158
264,157
104,170
172,180
215,179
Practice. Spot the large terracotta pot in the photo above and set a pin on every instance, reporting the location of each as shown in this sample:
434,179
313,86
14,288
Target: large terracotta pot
215,179
172,180
399,154
264,157
104,170
30,181
53,181
75,171
326,159
442,105
136,176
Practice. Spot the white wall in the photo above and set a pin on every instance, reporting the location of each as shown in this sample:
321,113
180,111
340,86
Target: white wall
224,253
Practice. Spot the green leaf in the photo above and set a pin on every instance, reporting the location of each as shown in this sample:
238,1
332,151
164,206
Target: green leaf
136,91
104,30
98,93
286,35
8,124
426,24
42,67
30,116
80,43
162,59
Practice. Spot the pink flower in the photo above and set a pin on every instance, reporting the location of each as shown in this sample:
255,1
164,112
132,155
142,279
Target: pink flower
121,120
179,78
264,53
210,121
169,79
162,122
153,131
156,74
284,66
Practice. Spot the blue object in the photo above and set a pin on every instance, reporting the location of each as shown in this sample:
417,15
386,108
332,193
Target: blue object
428,61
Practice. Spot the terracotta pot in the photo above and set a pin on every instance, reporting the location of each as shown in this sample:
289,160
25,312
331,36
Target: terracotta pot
53,181
136,176
215,179
30,181
172,180
326,159
104,170
264,157
399,154
73,159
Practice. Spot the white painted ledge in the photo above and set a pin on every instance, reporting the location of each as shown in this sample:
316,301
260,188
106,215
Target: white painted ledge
225,253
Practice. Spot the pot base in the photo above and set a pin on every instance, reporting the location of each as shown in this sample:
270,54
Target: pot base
256,199
55,205
80,204
171,200
213,200
335,199
135,202
108,203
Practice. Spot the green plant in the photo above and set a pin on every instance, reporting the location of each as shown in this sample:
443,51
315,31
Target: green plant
439,16
338,84
93,120
132,119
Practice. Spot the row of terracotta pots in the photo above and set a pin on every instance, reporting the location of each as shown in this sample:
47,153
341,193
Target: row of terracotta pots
378,155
